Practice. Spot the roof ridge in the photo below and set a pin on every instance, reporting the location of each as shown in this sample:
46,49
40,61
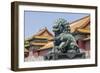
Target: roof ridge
43,30
79,19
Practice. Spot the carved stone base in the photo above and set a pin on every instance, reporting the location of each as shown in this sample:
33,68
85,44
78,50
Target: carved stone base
58,56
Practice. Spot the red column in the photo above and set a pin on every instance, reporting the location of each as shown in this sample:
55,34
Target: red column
81,44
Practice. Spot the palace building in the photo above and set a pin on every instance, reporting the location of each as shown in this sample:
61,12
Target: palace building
39,41
82,28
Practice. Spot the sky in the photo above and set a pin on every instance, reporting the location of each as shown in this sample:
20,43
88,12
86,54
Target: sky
36,20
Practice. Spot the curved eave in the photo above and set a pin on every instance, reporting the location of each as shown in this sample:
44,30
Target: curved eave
47,46
86,39
38,44
79,23
87,31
